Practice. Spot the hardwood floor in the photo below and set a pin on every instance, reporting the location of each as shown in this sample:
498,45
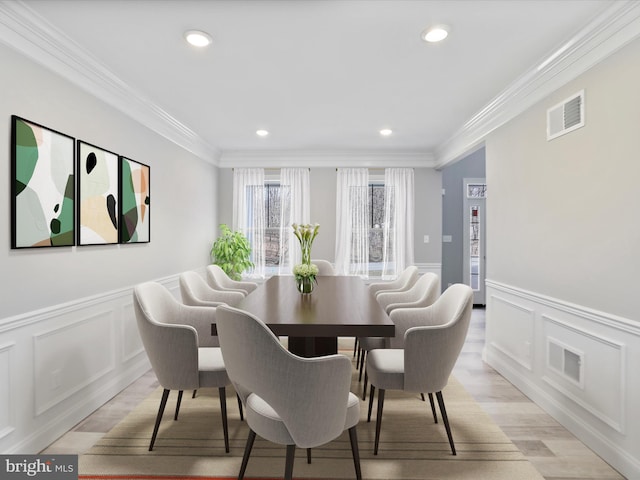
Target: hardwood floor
553,450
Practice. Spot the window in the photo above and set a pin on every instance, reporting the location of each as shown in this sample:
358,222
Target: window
273,205
376,227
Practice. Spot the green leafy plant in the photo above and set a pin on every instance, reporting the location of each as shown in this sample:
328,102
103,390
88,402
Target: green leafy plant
231,252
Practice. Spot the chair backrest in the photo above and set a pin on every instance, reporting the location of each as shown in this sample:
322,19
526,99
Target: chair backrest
309,394
422,294
404,281
324,267
196,292
172,348
430,352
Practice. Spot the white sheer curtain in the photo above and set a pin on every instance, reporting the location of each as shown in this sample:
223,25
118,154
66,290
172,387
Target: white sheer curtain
294,208
352,222
249,212
398,221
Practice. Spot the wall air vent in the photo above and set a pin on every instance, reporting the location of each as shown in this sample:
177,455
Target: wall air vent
565,117
565,361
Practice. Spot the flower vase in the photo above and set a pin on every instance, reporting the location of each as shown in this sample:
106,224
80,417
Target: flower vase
305,285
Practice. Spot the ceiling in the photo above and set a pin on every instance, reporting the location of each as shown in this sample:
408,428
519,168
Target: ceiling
319,75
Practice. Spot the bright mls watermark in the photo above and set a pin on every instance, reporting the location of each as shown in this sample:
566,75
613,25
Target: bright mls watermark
49,467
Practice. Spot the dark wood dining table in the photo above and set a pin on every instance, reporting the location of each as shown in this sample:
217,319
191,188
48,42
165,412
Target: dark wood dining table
339,306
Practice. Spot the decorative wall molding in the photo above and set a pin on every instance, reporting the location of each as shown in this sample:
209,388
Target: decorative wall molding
24,30
319,159
598,407
595,316
616,26
501,344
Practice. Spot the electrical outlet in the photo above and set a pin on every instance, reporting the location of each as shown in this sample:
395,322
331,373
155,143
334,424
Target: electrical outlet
426,239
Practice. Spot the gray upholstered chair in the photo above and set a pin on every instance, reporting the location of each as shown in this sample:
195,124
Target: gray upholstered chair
180,347
288,400
403,282
324,267
196,292
219,280
422,293
429,354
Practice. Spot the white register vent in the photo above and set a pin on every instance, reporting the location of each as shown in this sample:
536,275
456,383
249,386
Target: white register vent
566,116
565,361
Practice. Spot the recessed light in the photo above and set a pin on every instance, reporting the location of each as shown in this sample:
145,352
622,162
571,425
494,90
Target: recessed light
385,132
262,133
436,33
198,38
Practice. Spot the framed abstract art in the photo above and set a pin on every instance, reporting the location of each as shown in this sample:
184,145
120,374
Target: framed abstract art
135,202
98,174
42,186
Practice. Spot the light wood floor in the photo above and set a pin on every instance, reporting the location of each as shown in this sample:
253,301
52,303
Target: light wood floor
554,451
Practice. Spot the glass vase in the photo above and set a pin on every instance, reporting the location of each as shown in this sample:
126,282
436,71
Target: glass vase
305,285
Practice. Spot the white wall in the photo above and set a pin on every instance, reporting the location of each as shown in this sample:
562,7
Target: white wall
68,340
562,258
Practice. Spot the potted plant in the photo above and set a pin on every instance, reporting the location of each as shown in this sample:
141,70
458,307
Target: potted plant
231,252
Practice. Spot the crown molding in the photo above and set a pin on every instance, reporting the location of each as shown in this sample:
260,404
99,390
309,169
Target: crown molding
355,158
611,30
24,30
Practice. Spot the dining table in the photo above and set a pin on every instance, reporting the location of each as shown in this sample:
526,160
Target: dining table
338,306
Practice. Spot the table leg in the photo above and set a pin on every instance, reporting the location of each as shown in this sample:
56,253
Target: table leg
313,346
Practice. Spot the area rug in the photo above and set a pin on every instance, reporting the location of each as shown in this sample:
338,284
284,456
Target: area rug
412,446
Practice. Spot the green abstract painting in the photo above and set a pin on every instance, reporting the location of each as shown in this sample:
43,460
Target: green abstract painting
134,202
42,186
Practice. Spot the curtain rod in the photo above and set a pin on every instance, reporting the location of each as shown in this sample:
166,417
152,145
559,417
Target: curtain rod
272,169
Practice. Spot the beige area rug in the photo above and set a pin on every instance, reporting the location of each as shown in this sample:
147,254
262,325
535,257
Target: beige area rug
411,445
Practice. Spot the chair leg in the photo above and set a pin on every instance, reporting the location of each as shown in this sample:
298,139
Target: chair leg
422,397
363,358
353,437
364,390
240,407
163,403
433,408
373,389
355,346
247,452
175,417
223,411
358,358
443,412
308,455
288,467
378,419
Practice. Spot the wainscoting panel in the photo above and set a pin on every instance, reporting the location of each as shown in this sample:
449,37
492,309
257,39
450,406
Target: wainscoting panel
582,369
70,357
6,423
59,364
514,338
599,386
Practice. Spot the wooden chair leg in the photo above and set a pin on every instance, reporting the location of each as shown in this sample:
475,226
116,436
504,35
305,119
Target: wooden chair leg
222,392
240,407
433,408
178,403
378,419
353,437
288,467
373,389
445,419
247,452
163,404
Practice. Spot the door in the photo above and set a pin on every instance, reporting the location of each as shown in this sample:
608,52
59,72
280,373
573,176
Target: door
474,231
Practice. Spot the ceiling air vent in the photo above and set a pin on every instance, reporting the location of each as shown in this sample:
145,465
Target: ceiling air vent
566,116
